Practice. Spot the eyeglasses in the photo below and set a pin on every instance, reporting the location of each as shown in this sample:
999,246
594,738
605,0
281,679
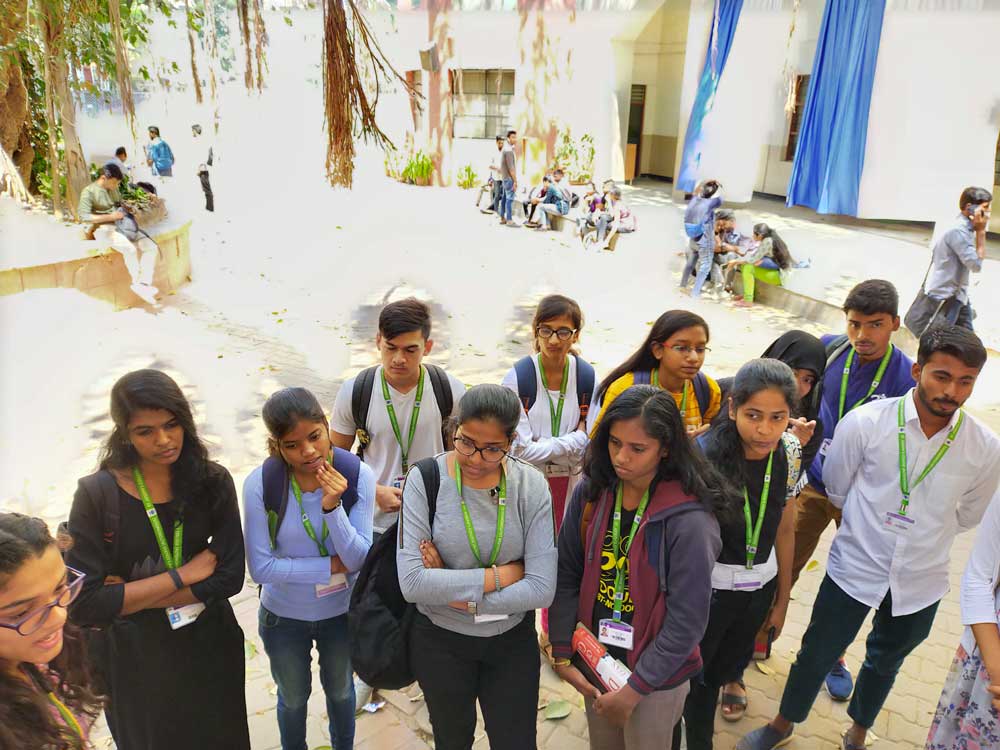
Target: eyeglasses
32,621
701,351
491,454
564,334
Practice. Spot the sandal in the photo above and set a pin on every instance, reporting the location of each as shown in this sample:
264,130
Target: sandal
737,704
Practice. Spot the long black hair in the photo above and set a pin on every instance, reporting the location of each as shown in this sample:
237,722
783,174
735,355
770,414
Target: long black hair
665,326
152,389
724,446
661,419
782,256
27,719
283,410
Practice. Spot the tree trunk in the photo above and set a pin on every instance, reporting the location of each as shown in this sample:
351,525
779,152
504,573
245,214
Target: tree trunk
15,116
212,43
77,174
50,116
440,112
194,64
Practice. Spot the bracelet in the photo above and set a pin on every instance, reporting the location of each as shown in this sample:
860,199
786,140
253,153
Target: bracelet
496,578
561,662
176,578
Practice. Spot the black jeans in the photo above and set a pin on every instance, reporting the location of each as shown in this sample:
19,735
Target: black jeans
726,649
500,671
207,187
497,196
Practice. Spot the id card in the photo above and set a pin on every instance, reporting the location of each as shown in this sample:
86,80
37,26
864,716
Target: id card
612,633
399,481
747,580
897,523
478,619
179,617
337,582
825,446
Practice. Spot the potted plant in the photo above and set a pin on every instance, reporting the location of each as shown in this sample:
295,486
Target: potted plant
421,167
467,177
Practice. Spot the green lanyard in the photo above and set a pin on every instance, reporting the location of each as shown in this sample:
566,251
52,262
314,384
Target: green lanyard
501,519
67,715
904,481
404,449
174,560
555,414
616,535
875,382
754,537
307,524
655,380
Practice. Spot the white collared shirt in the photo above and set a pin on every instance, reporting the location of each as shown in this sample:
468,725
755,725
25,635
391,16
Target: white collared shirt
861,474
980,595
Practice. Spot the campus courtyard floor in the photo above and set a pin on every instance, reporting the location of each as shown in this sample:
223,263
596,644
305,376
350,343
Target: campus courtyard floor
286,291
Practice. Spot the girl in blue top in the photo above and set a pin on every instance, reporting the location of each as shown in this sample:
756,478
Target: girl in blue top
308,568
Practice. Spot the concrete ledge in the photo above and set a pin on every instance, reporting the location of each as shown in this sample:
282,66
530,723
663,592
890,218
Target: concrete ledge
104,275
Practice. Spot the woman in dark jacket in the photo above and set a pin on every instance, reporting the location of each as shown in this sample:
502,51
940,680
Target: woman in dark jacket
645,515
167,643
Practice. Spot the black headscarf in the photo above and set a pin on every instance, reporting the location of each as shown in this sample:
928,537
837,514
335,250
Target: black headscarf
801,350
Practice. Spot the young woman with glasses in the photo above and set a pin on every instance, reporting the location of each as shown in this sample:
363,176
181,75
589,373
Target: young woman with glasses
552,433
476,575
157,532
45,697
670,358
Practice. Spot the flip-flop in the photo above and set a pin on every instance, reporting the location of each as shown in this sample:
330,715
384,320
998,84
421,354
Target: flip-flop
736,703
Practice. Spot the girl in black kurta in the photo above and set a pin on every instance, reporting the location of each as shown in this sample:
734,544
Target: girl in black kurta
167,688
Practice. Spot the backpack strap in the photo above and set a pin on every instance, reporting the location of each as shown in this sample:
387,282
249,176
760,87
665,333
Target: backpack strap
835,348
586,379
642,377
445,399
361,398
430,473
103,490
793,453
586,517
527,383
274,479
702,392
350,466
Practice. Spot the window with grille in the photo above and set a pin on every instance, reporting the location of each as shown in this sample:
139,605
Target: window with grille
481,100
801,87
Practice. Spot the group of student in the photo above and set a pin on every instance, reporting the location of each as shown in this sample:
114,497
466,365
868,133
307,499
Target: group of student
717,251
600,214
667,512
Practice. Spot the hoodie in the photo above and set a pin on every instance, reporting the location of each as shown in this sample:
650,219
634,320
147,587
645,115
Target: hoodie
680,538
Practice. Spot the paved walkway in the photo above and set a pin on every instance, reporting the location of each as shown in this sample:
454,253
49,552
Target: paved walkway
295,305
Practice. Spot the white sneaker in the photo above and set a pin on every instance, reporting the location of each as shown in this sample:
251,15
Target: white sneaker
362,694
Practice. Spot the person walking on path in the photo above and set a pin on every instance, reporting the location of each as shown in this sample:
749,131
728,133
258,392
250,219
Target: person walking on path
100,206
508,177
159,157
862,366
495,182
909,473
967,714
636,553
944,296
477,571
156,531
307,561
210,159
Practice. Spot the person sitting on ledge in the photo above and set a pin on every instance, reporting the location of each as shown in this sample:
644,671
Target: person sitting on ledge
99,205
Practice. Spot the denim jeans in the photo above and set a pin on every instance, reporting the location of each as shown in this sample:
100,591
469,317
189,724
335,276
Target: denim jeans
836,619
507,207
288,644
705,258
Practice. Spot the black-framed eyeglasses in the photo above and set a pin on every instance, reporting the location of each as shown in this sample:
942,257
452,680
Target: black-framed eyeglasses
701,351
491,454
564,334
31,622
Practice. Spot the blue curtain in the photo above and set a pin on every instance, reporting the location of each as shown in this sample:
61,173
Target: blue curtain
720,41
830,154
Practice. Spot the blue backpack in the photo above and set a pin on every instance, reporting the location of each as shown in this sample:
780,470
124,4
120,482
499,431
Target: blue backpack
527,383
275,483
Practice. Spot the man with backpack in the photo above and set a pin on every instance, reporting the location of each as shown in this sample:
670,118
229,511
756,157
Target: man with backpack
158,154
862,366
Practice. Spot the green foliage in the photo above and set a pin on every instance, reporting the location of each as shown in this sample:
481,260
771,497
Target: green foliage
467,177
576,156
419,167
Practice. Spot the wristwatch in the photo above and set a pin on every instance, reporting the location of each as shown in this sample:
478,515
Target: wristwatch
471,606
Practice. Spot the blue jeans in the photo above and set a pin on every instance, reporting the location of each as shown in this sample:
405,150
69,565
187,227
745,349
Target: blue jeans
704,264
836,619
507,205
288,644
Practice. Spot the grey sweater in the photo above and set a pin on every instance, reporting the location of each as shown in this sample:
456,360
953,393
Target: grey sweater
529,535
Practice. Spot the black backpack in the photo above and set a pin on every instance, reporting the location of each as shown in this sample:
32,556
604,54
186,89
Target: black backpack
527,383
274,478
361,398
379,618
